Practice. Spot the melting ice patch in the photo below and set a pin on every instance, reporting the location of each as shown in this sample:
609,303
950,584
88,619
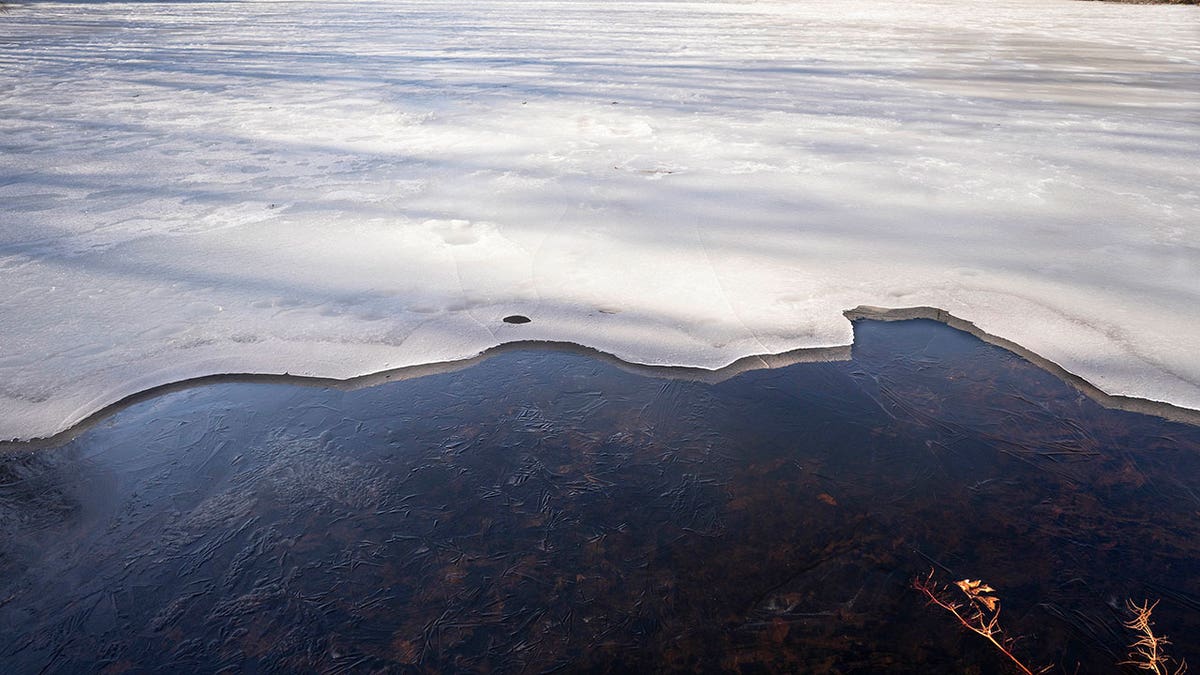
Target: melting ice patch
338,188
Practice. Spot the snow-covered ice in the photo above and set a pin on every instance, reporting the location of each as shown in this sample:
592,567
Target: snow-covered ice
340,187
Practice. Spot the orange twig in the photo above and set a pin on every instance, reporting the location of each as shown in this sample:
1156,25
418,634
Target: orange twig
1147,651
983,617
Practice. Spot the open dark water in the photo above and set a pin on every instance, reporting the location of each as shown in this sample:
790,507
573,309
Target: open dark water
546,510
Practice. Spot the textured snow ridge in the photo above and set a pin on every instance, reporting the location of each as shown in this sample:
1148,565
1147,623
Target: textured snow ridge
339,187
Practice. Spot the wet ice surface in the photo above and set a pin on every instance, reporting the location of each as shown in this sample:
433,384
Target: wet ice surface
336,188
544,509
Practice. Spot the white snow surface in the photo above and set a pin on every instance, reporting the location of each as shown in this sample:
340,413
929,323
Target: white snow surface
340,187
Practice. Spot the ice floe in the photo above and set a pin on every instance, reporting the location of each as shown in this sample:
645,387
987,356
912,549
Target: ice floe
340,187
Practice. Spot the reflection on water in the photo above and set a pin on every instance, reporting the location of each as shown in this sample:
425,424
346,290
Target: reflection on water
543,509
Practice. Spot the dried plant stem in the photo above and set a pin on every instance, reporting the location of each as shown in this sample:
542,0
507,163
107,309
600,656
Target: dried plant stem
983,617
1147,651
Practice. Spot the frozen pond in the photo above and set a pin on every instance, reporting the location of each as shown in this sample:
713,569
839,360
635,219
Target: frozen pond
341,187
544,509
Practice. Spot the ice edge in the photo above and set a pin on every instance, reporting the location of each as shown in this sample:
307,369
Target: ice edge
1144,406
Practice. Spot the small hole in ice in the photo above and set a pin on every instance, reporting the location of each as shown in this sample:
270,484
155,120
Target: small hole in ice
516,318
